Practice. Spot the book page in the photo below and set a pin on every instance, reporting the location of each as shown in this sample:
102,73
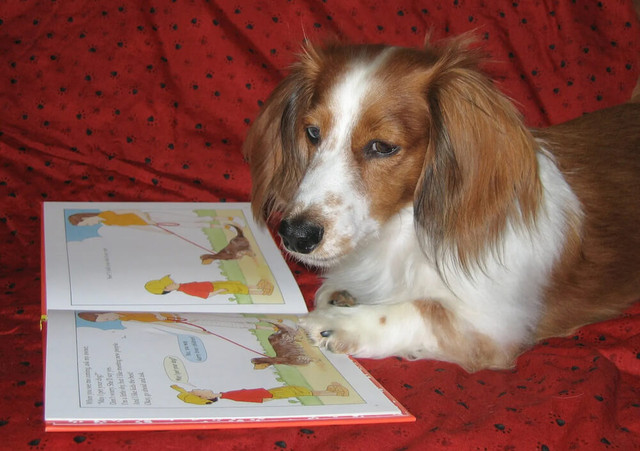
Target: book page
111,367
163,256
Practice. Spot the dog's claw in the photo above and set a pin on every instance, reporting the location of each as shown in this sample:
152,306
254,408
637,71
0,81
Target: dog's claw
332,329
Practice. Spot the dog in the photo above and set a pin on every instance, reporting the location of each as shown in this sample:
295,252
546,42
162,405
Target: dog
238,247
286,347
444,227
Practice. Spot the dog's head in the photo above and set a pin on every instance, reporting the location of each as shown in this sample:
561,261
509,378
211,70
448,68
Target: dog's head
356,133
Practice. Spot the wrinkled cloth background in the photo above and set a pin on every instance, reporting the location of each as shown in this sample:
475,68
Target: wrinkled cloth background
104,100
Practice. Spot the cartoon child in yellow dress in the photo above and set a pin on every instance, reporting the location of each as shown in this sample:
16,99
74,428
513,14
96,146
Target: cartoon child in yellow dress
201,396
112,218
136,218
144,317
205,290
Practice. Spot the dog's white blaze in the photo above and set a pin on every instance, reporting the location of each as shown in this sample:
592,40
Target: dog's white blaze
330,185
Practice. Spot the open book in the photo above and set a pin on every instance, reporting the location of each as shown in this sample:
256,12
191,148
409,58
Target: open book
178,315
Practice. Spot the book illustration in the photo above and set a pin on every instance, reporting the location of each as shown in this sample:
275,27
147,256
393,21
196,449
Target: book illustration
176,316
113,257
238,247
204,290
286,347
201,396
173,360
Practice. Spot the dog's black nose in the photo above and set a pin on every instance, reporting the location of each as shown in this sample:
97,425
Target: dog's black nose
300,235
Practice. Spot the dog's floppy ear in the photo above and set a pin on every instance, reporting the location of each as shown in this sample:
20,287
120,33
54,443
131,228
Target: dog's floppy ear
480,169
274,136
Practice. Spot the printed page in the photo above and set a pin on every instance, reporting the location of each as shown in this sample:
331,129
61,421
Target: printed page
124,367
163,256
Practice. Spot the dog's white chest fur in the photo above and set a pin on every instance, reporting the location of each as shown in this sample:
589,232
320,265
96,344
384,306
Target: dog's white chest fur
500,299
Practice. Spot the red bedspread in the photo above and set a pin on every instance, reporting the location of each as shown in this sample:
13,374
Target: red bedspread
150,100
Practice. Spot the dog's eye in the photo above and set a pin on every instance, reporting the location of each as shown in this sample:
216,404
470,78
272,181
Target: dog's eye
380,149
313,133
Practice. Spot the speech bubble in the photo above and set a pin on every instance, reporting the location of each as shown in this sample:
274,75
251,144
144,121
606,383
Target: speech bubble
192,348
175,369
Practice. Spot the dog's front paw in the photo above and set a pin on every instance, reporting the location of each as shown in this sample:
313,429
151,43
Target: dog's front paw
342,298
333,329
338,298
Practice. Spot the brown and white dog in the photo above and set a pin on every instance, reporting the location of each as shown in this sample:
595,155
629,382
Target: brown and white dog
461,235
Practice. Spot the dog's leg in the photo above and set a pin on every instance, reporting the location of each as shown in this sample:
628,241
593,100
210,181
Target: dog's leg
419,329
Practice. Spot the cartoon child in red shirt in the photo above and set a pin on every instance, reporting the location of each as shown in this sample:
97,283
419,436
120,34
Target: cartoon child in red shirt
205,290
201,396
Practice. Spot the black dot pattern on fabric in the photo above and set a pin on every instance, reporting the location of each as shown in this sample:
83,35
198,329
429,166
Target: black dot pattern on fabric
151,101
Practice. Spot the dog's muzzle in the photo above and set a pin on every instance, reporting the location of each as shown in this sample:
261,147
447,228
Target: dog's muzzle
300,235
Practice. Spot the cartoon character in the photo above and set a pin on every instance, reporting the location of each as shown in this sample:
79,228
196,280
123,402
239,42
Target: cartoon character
146,317
135,218
200,396
111,218
205,290
237,248
288,350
